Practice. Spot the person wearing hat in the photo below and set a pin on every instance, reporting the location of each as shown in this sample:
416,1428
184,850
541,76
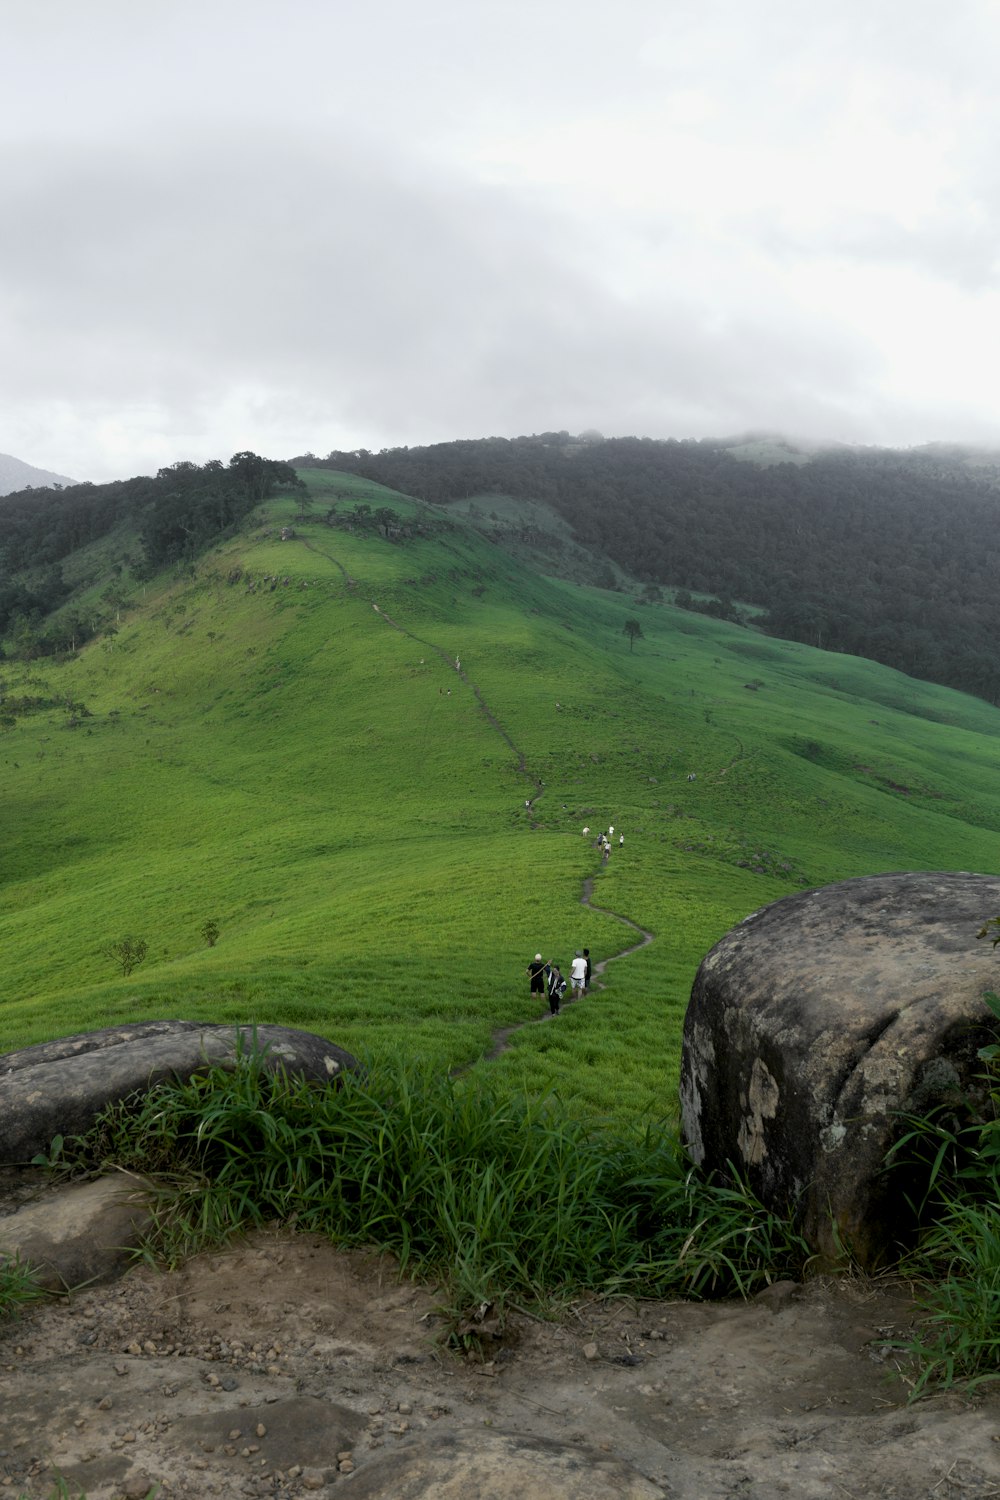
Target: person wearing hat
578,975
536,972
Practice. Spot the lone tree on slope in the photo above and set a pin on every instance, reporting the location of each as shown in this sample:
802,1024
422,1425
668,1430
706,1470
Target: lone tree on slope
128,951
634,632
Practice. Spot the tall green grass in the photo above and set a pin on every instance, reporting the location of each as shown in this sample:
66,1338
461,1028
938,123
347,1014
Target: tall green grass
501,1198
954,1157
18,1286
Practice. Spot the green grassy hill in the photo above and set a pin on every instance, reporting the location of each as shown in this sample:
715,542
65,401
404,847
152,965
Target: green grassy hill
282,738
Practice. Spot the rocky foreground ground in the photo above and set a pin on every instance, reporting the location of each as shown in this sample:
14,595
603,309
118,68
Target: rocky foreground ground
284,1367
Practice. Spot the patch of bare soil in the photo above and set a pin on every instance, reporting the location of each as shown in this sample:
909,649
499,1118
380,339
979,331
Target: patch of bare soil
285,1367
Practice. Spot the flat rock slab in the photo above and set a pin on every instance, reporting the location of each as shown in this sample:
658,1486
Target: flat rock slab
80,1233
495,1466
282,1353
819,1021
302,1429
59,1088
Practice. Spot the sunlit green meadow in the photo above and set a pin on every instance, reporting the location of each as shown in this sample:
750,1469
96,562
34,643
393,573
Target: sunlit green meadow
281,739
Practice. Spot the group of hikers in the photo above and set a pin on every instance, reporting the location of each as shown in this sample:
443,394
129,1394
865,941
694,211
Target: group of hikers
603,841
546,975
547,979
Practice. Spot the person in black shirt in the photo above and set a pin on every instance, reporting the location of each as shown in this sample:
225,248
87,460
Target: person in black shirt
536,971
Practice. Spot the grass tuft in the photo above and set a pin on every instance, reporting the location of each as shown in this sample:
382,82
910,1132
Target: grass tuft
18,1286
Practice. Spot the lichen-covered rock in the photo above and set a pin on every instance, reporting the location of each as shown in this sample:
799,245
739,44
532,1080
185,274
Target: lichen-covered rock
817,1023
59,1088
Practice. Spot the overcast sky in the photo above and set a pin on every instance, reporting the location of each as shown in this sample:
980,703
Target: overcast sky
294,225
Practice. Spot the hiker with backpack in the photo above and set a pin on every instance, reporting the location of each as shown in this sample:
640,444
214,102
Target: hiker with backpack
557,988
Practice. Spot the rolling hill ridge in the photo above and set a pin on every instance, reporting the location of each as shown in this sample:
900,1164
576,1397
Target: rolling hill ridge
366,744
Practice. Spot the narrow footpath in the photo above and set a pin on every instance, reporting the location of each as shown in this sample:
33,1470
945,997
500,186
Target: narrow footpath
501,1037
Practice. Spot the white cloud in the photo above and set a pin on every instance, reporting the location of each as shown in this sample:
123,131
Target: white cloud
325,225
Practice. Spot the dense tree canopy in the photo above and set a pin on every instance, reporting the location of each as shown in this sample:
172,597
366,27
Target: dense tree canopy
885,554
194,505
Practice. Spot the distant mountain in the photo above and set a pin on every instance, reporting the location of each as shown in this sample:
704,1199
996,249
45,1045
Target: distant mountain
15,475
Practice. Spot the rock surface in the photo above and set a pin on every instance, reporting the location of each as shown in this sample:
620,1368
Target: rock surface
495,1466
281,1368
80,1234
816,1022
59,1088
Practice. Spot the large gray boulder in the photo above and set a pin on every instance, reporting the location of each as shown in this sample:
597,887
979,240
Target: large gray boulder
817,1023
59,1088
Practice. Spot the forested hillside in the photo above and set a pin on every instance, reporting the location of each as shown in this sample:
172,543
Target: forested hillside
145,523
885,554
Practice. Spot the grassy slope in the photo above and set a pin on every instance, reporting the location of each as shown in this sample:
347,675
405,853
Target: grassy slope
326,784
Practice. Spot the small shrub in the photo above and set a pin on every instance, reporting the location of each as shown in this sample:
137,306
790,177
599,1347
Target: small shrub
128,951
992,925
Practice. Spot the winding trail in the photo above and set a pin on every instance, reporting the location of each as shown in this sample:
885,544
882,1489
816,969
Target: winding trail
502,1036
741,754
352,583
500,1042
647,937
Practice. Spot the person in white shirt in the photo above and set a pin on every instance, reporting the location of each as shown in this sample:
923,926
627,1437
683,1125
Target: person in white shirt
578,975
